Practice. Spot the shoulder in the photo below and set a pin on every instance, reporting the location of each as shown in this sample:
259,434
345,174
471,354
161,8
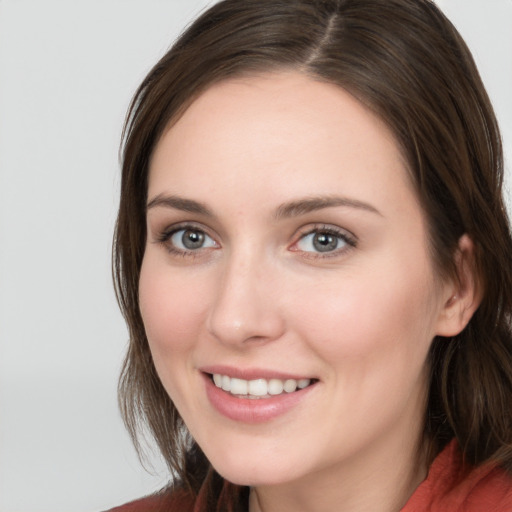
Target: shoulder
227,497
451,486
175,500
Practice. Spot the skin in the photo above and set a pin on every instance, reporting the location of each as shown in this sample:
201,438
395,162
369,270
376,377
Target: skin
359,318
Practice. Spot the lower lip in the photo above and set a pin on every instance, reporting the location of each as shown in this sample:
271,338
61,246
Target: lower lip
256,410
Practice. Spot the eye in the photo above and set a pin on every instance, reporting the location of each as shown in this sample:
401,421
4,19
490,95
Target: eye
323,240
190,239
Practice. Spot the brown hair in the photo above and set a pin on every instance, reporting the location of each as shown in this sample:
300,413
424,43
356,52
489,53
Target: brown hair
405,61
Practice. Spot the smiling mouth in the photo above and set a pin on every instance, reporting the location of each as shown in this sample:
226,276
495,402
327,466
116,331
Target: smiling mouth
259,388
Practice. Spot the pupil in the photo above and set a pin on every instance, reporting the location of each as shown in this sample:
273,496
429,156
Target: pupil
192,239
324,242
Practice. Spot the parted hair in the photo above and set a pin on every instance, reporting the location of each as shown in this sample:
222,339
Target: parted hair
406,62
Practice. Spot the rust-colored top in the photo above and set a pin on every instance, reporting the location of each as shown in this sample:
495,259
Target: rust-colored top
449,487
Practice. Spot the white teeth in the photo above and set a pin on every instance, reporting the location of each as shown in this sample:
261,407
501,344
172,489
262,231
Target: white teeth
239,386
275,387
218,380
226,383
303,383
258,388
290,385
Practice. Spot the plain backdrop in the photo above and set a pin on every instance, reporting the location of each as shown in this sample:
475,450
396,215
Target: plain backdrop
67,71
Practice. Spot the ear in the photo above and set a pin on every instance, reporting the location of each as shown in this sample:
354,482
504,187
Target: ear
462,294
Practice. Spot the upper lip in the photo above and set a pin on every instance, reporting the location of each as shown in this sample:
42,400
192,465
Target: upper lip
251,373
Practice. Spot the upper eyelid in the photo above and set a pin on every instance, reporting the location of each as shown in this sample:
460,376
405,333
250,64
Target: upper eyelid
328,228
302,231
173,228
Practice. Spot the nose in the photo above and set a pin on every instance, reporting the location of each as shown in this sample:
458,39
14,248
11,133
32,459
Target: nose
246,308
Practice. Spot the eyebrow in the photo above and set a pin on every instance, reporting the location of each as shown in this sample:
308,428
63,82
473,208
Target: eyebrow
311,204
285,210
179,203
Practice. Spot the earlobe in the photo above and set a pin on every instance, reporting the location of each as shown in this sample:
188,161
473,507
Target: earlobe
463,293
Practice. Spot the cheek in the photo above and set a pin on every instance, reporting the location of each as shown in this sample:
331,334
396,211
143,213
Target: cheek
367,316
374,335
172,309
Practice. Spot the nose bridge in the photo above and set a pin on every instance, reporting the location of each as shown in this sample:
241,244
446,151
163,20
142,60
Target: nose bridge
244,307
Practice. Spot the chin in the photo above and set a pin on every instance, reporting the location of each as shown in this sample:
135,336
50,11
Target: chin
253,478
244,471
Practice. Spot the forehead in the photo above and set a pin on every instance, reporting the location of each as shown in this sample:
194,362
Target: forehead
285,129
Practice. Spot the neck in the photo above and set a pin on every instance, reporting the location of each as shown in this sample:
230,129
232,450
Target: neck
380,480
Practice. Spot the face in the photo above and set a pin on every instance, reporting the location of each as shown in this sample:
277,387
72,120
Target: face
286,289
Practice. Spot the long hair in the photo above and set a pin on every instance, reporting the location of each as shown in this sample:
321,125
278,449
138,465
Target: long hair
405,61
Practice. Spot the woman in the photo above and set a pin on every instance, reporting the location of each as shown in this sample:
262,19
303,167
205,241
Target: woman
314,261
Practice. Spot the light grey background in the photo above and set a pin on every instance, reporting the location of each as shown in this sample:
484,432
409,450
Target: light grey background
67,72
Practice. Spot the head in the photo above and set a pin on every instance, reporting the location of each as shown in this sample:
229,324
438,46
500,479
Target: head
405,66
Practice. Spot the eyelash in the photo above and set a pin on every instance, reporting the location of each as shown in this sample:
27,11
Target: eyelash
165,236
347,238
